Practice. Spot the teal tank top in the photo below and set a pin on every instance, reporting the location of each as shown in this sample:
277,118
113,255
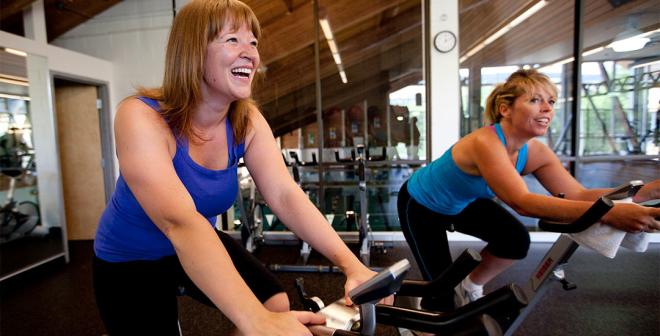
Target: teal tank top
444,188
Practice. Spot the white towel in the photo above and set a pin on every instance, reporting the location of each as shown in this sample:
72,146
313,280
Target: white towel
637,242
606,239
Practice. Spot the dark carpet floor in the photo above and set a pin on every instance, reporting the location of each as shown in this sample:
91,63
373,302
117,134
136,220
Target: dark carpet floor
614,297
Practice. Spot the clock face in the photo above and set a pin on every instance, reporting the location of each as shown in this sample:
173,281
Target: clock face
444,41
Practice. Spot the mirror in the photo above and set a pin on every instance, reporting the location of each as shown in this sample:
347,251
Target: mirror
26,238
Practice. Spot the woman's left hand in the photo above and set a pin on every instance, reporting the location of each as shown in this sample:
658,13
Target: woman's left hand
357,276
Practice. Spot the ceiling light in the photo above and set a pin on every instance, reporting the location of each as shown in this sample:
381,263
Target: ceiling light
342,74
631,38
593,51
629,44
14,80
16,52
571,59
327,32
333,46
11,96
325,26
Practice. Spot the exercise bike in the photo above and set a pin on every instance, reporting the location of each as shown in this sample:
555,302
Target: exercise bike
486,315
364,229
551,267
251,214
362,318
17,219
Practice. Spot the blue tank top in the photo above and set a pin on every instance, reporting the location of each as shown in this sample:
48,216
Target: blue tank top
444,188
126,233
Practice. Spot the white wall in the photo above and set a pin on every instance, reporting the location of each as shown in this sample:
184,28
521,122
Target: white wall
444,81
132,35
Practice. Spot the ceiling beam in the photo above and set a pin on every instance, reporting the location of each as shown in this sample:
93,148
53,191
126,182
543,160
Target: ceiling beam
62,16
9,8
289,5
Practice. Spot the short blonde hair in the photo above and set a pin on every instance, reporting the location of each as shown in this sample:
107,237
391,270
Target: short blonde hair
519,83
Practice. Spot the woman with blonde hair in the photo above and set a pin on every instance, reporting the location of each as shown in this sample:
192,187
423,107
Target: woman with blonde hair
178,147
458,189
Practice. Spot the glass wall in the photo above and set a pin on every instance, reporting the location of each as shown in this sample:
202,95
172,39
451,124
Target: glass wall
371,95
620,95
19,213
25,239
355,89
619,99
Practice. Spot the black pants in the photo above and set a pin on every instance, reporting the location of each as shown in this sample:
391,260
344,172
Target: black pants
425,232
140,297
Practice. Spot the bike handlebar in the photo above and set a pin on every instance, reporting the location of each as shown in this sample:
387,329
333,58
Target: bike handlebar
595,212
590,217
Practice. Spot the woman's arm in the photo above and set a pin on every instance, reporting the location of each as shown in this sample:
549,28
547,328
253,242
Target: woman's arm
500,174
495,166
144,148
649,191
549,171
289,202
555,178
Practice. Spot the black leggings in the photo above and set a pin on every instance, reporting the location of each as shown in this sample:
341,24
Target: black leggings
139,297
425,231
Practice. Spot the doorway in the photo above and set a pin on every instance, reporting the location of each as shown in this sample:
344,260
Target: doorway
85,149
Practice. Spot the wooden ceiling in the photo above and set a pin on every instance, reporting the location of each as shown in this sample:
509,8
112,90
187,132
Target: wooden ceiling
547,36
380,43
61,15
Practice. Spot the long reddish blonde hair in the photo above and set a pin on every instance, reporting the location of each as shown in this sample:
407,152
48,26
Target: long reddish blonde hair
194,26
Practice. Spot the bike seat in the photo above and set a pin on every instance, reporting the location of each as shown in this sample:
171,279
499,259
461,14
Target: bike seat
12,172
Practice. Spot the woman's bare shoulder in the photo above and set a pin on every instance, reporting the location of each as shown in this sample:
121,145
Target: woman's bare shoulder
133,111
137,122
482,137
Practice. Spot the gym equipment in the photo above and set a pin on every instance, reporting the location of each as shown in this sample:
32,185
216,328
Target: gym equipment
305,249
364,230
17,219
252,216
486,315
552,265
254,222
469,319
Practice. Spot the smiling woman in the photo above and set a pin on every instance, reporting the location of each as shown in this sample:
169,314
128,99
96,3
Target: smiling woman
230,60
458,188
182,142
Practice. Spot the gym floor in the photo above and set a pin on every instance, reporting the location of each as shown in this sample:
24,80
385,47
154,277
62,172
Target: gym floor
618,296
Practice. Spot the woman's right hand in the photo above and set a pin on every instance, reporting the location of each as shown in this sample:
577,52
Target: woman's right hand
633,218
285,323
649,191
